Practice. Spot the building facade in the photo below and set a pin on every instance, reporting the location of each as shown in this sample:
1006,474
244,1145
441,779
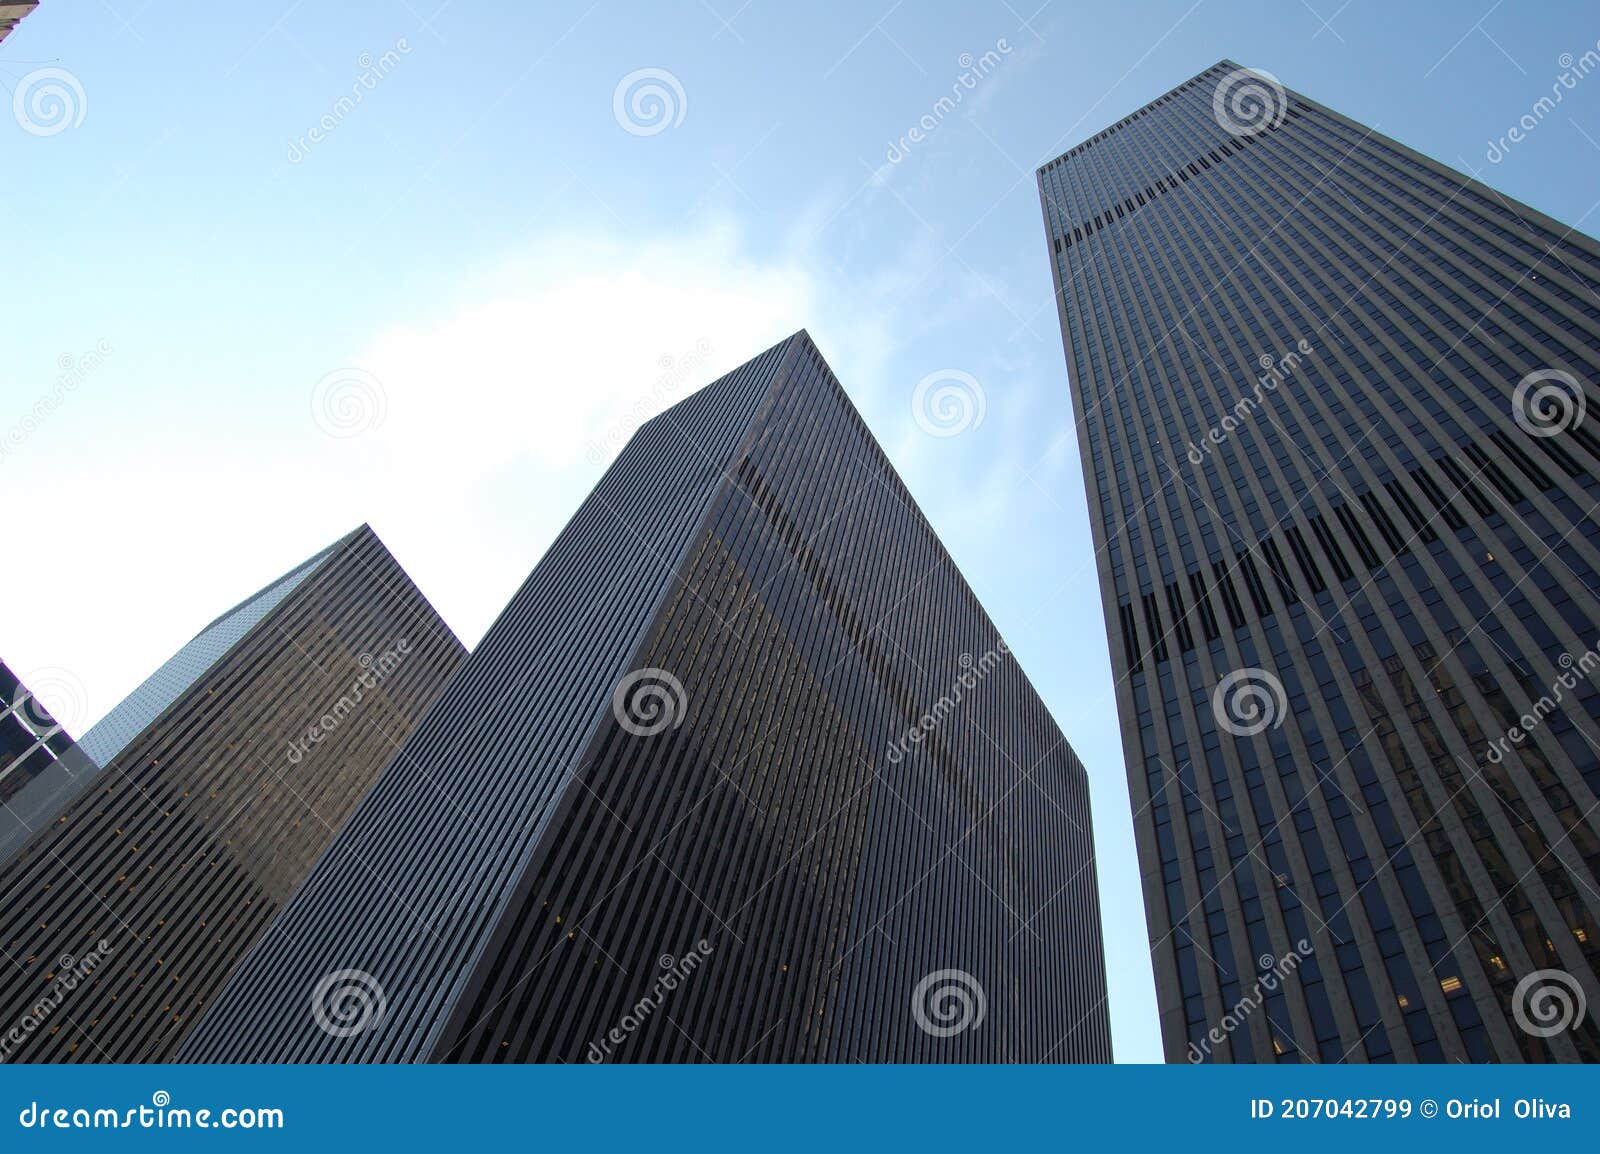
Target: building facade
39,762
40,796
1330,396
231,769
742,772
12,12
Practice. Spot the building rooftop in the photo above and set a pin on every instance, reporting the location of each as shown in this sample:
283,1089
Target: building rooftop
12,12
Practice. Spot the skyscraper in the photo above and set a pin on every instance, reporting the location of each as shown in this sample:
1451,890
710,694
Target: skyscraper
742,772
1331,396
38,762
43,794
229,772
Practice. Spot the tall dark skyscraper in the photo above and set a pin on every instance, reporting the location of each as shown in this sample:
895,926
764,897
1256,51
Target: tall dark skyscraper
1331,397
742,772
138,889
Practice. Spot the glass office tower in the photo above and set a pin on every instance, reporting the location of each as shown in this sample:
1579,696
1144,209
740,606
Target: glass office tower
135,893
39,761
742,772
1331,399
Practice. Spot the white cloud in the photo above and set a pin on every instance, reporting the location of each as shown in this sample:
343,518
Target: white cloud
557,348
491,406
501,413
503,398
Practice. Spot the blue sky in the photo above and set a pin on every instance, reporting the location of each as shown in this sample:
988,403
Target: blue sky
497,277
